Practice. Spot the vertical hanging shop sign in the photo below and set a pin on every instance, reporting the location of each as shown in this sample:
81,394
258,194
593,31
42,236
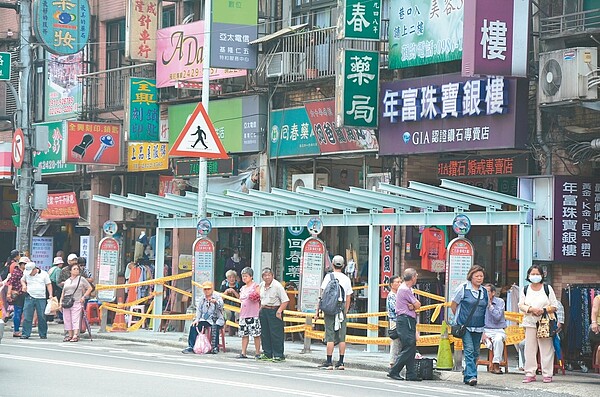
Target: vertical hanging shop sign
362,19
140,34
294,237
108,262
460,259
203,261
387,255
312,262
142,119
356,89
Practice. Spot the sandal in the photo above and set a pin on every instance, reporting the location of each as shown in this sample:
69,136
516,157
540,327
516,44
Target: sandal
242,356
67,339
74,339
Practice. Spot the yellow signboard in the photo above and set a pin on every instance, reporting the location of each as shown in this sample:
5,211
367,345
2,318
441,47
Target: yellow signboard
147,156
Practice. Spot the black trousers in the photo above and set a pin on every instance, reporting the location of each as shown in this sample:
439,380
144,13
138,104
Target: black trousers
407,329
272,333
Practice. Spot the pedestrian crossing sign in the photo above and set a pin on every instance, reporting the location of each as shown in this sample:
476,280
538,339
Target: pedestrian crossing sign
199,138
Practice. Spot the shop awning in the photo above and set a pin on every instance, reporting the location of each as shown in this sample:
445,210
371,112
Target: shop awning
279,33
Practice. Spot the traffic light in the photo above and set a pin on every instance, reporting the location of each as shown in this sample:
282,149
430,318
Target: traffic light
16,218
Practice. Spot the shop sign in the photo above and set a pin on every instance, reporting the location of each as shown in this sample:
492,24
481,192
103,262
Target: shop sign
332,139
362,19
218,167
239,122
448,113
496,35
169,184
292,249
147,156
63,87
62,27
142,111
61,206
51,161
387,256
140,34
423,32
576,219
6,160
234,26
356,88
483,166
179,51
93,143
291,134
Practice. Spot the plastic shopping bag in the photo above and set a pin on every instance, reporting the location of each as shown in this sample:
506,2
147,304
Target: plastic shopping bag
202,345
51,306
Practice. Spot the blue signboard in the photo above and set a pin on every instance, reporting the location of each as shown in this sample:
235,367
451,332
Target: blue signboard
291,134
63,27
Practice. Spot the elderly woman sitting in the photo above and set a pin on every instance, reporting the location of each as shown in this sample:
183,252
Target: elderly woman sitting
209,314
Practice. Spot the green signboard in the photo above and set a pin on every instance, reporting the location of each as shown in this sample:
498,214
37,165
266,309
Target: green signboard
51,160
144,114
357,91
294,237
291,134
362,19
238,122
4,65
423,32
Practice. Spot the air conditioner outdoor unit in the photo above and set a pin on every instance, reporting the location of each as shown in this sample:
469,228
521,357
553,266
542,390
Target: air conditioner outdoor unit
306,180
287,64
565,74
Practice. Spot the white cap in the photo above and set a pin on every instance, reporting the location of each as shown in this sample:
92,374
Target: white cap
29,268
71,257
338,261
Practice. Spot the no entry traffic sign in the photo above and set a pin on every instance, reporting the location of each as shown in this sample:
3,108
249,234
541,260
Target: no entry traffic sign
18,148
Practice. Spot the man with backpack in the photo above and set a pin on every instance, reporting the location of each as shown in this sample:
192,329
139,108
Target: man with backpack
334,302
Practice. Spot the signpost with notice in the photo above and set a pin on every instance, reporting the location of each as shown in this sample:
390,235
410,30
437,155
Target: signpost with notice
107,265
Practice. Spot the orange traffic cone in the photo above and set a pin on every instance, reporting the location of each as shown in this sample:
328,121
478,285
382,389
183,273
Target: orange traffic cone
119,321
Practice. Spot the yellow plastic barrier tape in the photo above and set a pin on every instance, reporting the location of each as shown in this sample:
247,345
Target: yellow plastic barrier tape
372,327
132,303
178,290
147,282
512,316
296,328
138,324
429,295
430,328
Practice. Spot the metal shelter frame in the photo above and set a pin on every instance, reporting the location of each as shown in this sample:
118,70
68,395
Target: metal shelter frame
418,204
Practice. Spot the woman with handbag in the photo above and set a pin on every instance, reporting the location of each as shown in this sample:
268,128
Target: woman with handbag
75,291
395,344
537,301
469,305
16,296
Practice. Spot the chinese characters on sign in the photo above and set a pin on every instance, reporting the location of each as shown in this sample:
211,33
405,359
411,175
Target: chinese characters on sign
576,219
143,115
234,26
61,206
4,65
63,27
449,113
147,156
51,161
294,237
291,134
93,143
422,32
107,265
337,139
140,35
387,255
362,19
460,260
495,38
203,261
63,87
483,167
312,263
357,89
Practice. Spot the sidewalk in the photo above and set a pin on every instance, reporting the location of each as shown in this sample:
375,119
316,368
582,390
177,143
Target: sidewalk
573,383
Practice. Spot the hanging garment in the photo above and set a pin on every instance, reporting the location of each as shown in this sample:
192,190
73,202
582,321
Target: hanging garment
432,247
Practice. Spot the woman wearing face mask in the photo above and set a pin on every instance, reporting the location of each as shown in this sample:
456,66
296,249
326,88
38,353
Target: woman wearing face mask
533,303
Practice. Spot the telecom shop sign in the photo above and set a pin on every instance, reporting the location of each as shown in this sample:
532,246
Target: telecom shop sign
576,219
362,19
449,113
356,89
63,27
234,26
423,32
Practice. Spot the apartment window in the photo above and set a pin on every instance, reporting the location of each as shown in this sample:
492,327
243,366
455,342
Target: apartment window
168,17
115,58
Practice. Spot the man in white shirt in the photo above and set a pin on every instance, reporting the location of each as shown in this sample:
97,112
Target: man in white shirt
332,334
35,283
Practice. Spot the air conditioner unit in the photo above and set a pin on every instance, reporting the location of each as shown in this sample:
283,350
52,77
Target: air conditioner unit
287,64
117,186
565,74
306,180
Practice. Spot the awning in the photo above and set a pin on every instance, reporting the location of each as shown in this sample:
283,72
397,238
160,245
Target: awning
279,33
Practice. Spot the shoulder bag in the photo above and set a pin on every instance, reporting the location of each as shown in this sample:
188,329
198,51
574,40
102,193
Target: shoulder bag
69,300
546,326
459,330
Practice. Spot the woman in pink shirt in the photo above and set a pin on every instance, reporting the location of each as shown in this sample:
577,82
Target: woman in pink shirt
249,323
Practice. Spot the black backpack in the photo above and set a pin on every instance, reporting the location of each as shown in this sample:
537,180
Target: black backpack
546,290
331,301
